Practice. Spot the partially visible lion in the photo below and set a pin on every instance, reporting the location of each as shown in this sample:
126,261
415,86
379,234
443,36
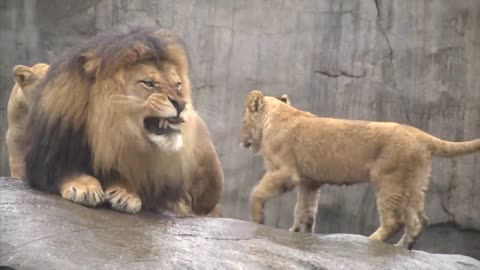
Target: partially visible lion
26,80
306,151
114,122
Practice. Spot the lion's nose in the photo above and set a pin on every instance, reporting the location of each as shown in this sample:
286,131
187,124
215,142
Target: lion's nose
178,104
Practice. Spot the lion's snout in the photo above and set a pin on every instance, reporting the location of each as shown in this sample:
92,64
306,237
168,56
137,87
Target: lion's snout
178,104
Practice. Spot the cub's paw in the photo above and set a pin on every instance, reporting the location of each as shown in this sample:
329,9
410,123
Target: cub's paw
84,190
295,228
121,200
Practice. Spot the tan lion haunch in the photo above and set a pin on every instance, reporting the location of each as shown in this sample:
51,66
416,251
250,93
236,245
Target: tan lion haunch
115,123
18,108
306,151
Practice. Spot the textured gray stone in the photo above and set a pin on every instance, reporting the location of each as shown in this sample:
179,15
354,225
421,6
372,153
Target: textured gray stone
415,62
57,234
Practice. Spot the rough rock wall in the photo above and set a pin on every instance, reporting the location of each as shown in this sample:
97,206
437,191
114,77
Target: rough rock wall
414,62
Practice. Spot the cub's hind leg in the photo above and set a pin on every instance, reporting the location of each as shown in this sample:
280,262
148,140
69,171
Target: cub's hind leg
413,229
391,202
83,189
305,208
272,184
416,220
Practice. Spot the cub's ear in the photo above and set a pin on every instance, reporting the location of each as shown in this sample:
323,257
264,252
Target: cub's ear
255,101
91,63
285,99
22,74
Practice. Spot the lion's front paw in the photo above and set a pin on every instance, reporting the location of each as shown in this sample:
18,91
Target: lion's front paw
121,200
85,190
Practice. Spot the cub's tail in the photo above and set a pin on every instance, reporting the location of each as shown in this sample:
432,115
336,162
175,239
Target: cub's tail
443,148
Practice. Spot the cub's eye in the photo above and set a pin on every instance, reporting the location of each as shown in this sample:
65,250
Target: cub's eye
149,84
179,86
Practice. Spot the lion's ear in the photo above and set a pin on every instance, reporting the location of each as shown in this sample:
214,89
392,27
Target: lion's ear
22,74
133,54
285,99
255,101
91,63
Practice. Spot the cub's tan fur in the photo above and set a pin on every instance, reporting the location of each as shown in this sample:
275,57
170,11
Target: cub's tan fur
306,151
19,103
126,131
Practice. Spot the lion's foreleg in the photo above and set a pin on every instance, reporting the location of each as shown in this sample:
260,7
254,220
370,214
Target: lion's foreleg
305,209
272,184
83,189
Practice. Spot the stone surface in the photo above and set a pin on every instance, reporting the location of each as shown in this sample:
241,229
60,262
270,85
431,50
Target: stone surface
415,62
40,230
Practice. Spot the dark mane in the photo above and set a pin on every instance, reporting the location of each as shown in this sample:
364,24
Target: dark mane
110,47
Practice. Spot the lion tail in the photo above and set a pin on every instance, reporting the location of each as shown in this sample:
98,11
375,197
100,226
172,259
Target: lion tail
443,148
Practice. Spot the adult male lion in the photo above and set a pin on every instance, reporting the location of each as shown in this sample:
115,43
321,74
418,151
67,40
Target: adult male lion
304,150
115,122
26,80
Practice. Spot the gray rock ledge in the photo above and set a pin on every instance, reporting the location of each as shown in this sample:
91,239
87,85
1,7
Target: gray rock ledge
41,231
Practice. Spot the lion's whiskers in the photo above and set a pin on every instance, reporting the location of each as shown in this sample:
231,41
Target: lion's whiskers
126,99
135,102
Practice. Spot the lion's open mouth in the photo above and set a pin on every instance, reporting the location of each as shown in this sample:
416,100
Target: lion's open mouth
162,126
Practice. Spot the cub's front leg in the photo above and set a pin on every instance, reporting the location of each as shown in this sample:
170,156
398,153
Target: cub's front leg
272,184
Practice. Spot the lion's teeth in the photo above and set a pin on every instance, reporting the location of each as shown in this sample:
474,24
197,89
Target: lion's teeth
160,123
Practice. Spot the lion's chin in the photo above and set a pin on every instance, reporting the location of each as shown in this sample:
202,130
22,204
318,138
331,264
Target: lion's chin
171,142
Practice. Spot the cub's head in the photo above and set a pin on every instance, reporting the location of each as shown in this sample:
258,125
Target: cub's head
28,78
253,120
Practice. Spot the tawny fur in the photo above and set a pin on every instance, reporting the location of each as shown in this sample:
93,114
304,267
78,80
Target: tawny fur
306,151
122,81
26,79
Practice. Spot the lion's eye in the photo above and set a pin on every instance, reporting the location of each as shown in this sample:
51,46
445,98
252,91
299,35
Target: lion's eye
179,86
149,84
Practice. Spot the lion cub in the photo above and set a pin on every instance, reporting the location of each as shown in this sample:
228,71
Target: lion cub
306,151
26,79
